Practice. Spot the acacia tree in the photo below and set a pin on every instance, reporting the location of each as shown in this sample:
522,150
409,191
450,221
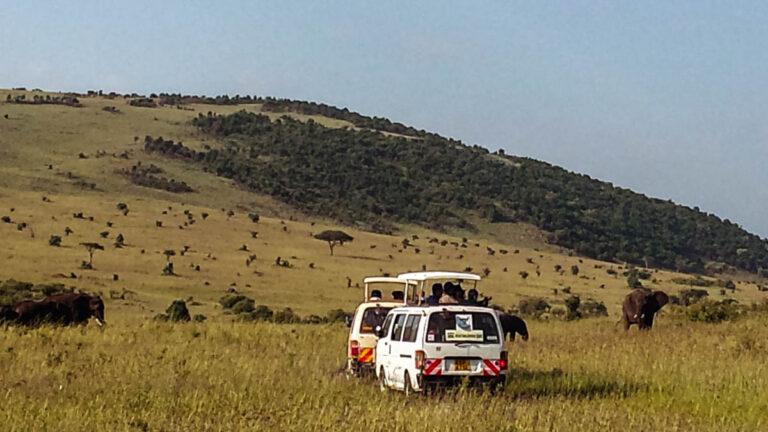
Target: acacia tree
91,248
168,254
168,269
334,238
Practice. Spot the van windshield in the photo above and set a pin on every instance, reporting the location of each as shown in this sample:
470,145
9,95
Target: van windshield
372,317
462,327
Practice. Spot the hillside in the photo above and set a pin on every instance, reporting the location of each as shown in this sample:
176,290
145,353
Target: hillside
79,169
360,176
59,160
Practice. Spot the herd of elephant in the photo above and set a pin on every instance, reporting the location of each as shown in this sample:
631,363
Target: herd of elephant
62,309
639,307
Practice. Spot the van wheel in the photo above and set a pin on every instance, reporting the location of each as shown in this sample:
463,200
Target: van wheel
407,385
382,381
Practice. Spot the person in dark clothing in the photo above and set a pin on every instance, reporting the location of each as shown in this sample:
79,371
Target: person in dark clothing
375,295
437,292
398,295
459,294
473,298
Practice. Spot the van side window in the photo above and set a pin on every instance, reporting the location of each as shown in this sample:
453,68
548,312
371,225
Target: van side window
411,328
387,324
397,328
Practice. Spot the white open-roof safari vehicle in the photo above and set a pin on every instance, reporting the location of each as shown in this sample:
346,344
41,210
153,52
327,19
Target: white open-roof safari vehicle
422,345
368,316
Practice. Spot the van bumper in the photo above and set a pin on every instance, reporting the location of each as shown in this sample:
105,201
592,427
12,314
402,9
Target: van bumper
357,368
453,380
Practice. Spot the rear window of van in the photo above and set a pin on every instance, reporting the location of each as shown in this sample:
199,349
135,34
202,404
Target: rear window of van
372,317
462,327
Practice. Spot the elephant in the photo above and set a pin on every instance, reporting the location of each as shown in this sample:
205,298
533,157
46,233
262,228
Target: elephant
511,324
31,312
640,306
81,307
7,314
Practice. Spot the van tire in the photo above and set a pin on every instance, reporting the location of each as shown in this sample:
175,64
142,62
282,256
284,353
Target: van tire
383,381
407,387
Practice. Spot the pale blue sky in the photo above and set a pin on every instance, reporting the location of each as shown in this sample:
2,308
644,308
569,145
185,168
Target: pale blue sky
667,98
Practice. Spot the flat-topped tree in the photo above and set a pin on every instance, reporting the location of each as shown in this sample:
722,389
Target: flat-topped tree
91,248
334,237
168,254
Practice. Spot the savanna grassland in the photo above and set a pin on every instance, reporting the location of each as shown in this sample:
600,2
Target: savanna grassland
138,374
587,375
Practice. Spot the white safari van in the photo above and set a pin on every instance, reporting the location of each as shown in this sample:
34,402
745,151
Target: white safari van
378,300
420,346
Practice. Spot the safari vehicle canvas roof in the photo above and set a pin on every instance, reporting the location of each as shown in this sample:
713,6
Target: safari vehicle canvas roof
423,276
383,279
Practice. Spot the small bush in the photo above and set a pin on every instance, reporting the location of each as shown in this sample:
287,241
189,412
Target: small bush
714,311
633,279
314,319
592,308
54,241
337,316
230,300
533,307
697,281
178,312
260,313
692,296
286,316
245,305
572,304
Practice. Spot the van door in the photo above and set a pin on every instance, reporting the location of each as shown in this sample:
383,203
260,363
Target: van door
406,349
383,344
394,365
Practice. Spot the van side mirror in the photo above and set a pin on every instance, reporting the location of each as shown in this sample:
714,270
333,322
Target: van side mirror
379,331
348,321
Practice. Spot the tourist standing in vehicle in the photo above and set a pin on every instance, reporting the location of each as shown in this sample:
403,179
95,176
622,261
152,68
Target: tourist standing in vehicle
449,293
437,292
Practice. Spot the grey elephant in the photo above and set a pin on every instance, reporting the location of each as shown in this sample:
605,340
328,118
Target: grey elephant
640,306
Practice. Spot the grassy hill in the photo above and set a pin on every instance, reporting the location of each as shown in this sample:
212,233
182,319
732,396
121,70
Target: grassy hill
60,160
57,161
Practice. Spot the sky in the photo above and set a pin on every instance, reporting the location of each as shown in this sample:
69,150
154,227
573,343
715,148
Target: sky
669,98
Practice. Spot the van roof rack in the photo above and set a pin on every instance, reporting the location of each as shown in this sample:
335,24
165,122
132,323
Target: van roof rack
430,275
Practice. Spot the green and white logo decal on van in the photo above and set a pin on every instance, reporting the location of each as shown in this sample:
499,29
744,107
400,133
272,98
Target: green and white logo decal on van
463,331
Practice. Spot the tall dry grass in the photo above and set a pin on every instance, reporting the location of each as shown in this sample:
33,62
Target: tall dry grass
588,375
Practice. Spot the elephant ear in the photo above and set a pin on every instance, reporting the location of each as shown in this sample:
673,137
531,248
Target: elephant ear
661,298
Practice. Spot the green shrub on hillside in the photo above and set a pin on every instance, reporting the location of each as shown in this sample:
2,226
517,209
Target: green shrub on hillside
533,307
178,312
714,311
290,161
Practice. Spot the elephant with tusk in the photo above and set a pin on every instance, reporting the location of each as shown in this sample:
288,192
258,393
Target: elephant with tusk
81,307
640,306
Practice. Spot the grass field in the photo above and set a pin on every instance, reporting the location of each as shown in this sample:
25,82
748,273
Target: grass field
570,376
220,375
